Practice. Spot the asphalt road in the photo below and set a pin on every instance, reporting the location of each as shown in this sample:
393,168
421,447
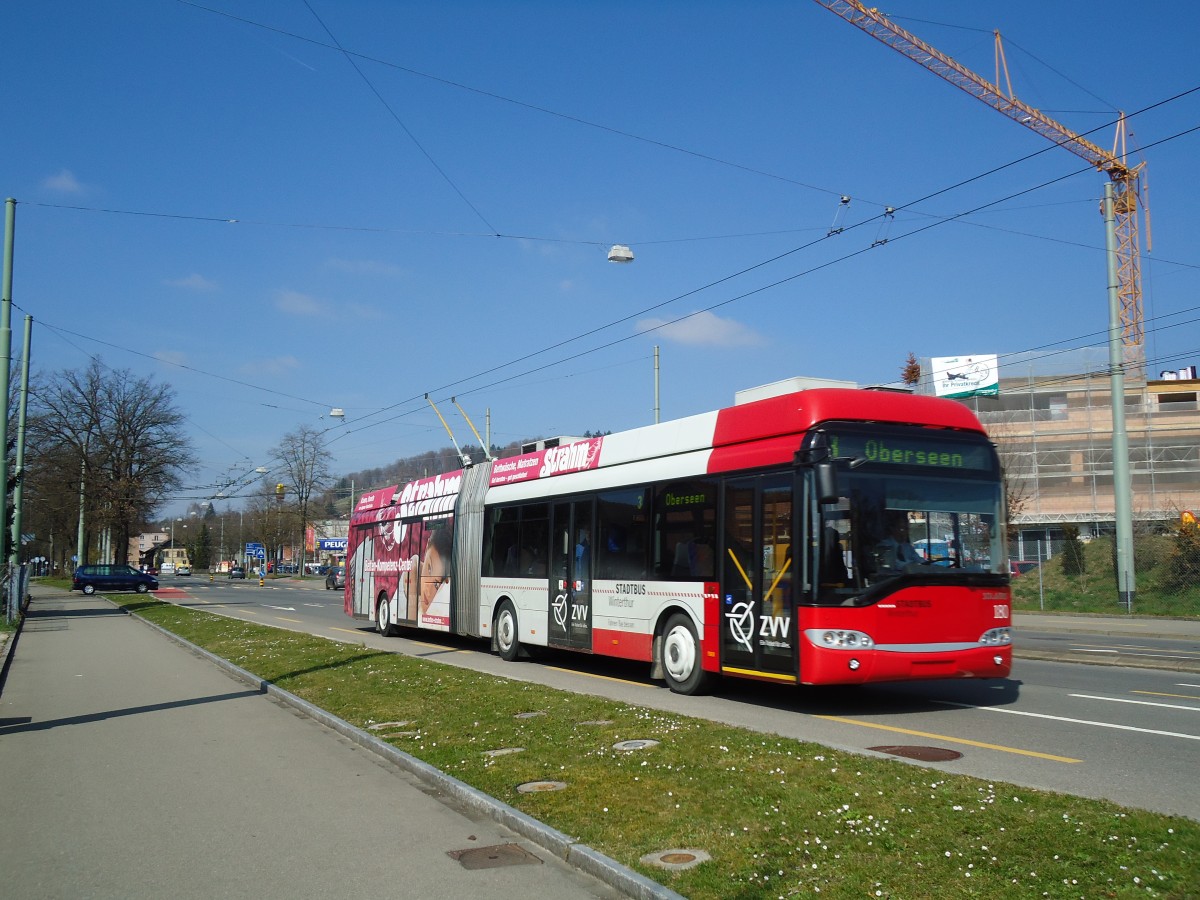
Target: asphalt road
1090,703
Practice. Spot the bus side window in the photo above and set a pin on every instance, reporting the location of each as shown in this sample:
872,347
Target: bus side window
624,525
503,531
685,530
533,542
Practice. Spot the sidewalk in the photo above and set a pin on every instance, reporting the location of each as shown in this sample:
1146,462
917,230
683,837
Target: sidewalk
133,767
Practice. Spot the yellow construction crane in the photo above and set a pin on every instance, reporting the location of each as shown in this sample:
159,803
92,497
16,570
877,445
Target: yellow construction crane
1129,189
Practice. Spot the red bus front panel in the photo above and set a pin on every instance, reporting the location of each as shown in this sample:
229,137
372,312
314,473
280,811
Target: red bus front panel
918,632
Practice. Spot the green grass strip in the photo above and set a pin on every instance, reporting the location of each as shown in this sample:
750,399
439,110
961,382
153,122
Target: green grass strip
779,817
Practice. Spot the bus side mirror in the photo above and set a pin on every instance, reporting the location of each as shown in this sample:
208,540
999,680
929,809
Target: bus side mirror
826,477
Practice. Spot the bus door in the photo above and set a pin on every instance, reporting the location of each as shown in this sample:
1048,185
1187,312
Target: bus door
759,578
570,622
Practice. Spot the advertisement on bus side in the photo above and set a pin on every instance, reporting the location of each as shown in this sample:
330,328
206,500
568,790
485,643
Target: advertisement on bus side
577,457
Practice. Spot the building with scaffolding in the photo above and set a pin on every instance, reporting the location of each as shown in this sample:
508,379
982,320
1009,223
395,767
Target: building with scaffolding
1054,435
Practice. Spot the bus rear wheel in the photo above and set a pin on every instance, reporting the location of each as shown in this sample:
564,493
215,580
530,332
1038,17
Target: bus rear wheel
383,619
680,657
507,643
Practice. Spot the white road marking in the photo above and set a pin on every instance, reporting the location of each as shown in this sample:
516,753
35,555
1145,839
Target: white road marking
1113,725
1136,702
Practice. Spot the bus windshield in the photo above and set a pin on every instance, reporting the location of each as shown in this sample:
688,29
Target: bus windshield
895,523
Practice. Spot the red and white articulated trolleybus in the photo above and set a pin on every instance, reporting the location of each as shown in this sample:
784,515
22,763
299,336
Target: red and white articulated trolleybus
827,536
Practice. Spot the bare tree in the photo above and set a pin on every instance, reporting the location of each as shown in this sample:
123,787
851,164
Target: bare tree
119,437
302,464
268,521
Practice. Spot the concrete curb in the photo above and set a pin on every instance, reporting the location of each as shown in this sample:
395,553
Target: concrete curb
581,856
7,640
8,643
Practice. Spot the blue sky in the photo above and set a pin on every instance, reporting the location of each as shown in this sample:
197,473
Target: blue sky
216,197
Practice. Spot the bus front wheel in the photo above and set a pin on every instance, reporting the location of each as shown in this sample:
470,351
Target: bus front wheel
681,657
383,619
507,644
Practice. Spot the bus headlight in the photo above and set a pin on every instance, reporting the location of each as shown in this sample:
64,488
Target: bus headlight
996,637
839,639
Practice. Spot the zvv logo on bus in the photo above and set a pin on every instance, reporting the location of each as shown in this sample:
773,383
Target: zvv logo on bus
741,625
579,612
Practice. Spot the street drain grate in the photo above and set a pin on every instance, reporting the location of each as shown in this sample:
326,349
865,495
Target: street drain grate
923,754
676,860
640,744
541,787
494,857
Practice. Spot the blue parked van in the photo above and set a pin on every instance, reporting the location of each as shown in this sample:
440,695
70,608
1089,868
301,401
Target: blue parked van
104,577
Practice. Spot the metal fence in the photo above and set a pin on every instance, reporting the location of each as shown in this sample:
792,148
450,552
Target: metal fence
16,590
1166,562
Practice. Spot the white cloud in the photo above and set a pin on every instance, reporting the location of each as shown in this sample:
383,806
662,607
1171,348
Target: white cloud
193,282
704,328
64,182
294,303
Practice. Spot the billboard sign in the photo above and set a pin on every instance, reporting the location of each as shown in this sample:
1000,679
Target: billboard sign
332,545
965,376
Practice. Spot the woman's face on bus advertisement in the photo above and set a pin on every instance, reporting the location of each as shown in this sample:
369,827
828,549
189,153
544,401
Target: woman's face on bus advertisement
433,574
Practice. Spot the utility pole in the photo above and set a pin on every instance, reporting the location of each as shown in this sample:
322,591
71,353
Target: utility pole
1122,482
10,224
22,410
656,406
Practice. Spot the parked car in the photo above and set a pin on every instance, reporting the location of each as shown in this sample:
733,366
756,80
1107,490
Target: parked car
237,572
182,569
335,580
1020,566
104,577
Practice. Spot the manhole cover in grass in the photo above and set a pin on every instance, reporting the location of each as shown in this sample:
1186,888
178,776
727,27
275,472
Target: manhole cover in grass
540,787
494,857
923,754
635,745
676,860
